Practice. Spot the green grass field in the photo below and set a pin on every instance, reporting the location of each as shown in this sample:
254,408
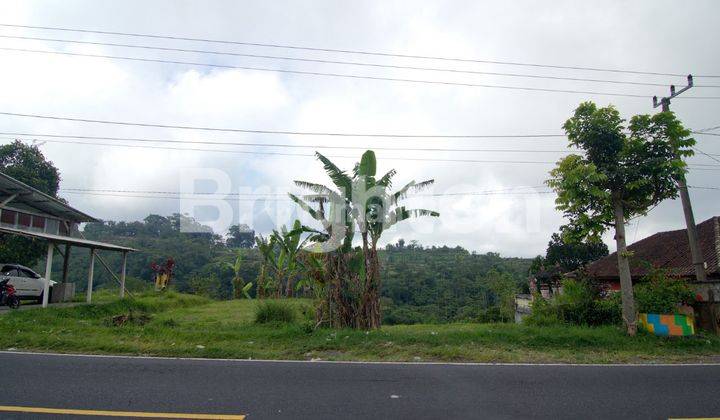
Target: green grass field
183,325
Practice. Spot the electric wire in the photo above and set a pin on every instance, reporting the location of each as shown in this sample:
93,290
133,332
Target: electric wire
348,51
348,63
349,76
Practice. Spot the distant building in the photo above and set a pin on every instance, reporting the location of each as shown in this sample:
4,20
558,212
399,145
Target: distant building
547,282
671,251
28,212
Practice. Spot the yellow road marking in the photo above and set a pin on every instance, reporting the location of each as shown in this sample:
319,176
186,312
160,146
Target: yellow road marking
108,413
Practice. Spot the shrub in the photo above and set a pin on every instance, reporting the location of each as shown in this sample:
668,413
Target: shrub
543,314
661,294
208,286
580,303
274,312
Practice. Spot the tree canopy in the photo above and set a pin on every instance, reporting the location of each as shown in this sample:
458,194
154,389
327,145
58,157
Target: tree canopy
26,164
626,170
569,255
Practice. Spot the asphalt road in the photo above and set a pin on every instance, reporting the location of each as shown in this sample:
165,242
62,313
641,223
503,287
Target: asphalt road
317,390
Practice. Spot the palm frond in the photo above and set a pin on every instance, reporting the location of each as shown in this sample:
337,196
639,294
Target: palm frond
386,180
316,198
316,188
401,213
338,176
422,185
305,206
410,186
368,164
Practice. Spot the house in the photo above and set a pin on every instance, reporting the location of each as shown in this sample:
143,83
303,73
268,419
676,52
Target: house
671,251
547,282
28,212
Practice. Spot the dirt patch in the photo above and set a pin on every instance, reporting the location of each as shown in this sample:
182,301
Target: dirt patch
131,318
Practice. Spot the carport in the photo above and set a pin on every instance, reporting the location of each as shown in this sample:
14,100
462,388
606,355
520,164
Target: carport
28,212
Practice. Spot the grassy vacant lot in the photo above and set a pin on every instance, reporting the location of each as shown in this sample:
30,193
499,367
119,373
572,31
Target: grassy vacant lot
183,325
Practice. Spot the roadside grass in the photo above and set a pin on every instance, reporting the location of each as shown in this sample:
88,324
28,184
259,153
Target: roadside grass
172,324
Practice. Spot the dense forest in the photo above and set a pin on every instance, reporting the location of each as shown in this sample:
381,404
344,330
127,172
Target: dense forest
419,284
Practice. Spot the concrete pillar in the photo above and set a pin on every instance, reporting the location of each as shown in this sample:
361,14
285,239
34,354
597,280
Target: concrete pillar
91,270
48,274
122,275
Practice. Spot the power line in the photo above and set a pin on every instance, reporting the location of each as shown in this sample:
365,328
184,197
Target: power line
706,134
343,75
34,136
701,167
283,132
179,196
707,154
281,145
125,191
704,188
348,51
349,63
309,155
174,197
705,130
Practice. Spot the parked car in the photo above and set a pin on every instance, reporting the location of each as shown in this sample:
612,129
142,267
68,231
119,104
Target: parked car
28,284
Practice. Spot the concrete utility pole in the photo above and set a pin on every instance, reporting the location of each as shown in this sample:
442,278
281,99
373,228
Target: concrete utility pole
695,251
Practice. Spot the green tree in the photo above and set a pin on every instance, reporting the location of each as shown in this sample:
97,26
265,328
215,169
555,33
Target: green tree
365,204
26,164
623,173
571,255
503,289
240,236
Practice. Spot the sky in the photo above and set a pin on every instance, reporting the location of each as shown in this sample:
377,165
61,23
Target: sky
512,215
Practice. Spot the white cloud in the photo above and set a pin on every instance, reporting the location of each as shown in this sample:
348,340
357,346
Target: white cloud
612,35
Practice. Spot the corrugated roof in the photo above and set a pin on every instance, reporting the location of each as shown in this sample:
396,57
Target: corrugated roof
84,243
667,250
36,199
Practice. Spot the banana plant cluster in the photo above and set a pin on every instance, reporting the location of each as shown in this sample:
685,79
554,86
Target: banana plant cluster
282,269
358,202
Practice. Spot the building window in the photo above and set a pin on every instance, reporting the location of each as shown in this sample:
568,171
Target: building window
52,226
7,218
38,223
24,220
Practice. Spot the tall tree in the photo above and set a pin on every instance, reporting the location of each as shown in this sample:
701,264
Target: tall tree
625,171
26,164
240,236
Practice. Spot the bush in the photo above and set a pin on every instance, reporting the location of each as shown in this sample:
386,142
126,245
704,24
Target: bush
274,312
543,314
661,294
580,303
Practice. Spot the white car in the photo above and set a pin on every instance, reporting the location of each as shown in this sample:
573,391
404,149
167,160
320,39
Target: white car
28,284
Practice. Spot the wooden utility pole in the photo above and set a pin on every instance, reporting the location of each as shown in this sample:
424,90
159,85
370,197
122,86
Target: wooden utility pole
695,251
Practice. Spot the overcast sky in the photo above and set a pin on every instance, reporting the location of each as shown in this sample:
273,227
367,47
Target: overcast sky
662,36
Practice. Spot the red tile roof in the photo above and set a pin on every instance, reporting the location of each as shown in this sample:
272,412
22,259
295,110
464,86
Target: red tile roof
667,250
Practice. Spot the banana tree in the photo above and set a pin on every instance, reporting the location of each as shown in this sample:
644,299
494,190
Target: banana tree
240,288
288,263
360,202
266,277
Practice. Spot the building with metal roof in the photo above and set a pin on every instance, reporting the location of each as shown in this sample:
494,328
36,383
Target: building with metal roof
28,212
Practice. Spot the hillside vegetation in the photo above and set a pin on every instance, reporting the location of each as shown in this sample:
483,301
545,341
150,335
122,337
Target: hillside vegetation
419,284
